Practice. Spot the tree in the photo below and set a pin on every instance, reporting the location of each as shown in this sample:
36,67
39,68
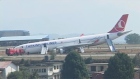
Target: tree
34,75
22,61
132,38
120,67
136,60
88,60
22,75
15,75
27,63
74,67
1,77
53,55
2,59
25,71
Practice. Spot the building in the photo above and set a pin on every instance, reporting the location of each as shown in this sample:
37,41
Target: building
6,33
47,70
137,73
96,70
7,67
18,40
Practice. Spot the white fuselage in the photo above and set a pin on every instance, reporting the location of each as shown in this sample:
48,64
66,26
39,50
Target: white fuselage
60,43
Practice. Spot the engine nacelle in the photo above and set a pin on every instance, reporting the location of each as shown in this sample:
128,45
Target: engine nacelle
54,50
81,49
58,50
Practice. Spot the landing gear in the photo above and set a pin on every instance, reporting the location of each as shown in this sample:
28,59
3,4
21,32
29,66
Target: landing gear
28,53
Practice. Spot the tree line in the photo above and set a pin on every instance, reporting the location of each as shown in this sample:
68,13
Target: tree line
132,38
120,66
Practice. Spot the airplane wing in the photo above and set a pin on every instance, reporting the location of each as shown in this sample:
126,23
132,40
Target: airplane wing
73,45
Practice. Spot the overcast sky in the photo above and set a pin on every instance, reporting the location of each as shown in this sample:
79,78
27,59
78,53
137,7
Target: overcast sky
68,16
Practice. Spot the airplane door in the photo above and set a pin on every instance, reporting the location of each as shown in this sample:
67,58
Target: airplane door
45,45
79,41
107,36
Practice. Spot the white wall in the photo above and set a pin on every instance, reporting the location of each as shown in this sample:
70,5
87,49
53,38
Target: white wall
50,70
11,68
56,68
40,70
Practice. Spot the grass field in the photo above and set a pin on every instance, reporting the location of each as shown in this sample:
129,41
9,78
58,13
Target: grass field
93,50
123,48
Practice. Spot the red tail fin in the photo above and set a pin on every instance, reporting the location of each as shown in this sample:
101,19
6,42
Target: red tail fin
82,35
120,26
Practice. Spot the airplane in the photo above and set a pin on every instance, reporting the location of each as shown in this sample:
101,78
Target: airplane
62,45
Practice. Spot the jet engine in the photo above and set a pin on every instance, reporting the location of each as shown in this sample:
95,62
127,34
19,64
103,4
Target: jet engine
61,51
81,49
54,50
58,50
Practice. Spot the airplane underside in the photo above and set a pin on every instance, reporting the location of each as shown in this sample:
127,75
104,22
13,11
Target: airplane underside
44,48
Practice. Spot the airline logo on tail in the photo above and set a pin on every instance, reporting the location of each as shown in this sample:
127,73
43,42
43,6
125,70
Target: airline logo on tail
81,35
120,25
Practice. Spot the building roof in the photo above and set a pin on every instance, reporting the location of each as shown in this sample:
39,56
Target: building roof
45,64
97,64
13,30
4,64
18,38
